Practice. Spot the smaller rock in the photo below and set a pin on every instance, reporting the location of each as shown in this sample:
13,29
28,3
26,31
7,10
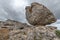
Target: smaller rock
12,24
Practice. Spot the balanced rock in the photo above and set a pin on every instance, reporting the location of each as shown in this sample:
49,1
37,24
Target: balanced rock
38,14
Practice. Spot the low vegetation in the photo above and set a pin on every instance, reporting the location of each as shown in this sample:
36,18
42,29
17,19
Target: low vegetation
57,33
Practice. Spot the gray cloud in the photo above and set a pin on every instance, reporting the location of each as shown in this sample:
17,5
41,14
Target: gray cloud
8,12
11,13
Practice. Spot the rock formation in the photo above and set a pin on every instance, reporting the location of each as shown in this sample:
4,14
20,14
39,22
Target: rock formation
38,14
12,24
14,30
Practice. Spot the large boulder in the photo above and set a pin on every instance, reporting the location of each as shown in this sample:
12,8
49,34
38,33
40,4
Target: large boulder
38,14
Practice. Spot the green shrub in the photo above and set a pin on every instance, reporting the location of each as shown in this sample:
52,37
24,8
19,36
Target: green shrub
57,33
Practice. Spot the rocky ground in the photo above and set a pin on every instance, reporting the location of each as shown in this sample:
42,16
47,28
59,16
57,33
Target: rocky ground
14,30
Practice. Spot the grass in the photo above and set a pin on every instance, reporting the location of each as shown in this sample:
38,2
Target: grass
57,33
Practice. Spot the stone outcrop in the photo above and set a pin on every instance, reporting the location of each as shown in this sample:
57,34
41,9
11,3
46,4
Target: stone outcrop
38,14
36,33
10,30
12,24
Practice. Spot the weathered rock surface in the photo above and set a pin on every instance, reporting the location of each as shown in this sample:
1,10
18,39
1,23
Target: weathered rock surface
38,14
4,34
14,30
12,24
36,33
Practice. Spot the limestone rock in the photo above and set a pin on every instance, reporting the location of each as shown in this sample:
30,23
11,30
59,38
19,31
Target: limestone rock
36,33
38,14
22,31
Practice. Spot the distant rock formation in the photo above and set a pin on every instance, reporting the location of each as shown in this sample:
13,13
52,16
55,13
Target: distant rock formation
6,27
38,14
12,24
37,33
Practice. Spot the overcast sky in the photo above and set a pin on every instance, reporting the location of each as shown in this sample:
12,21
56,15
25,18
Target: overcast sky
15,9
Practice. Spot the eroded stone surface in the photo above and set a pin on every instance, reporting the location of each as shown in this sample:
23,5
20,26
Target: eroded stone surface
37,32
4,34
38,14
12,24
